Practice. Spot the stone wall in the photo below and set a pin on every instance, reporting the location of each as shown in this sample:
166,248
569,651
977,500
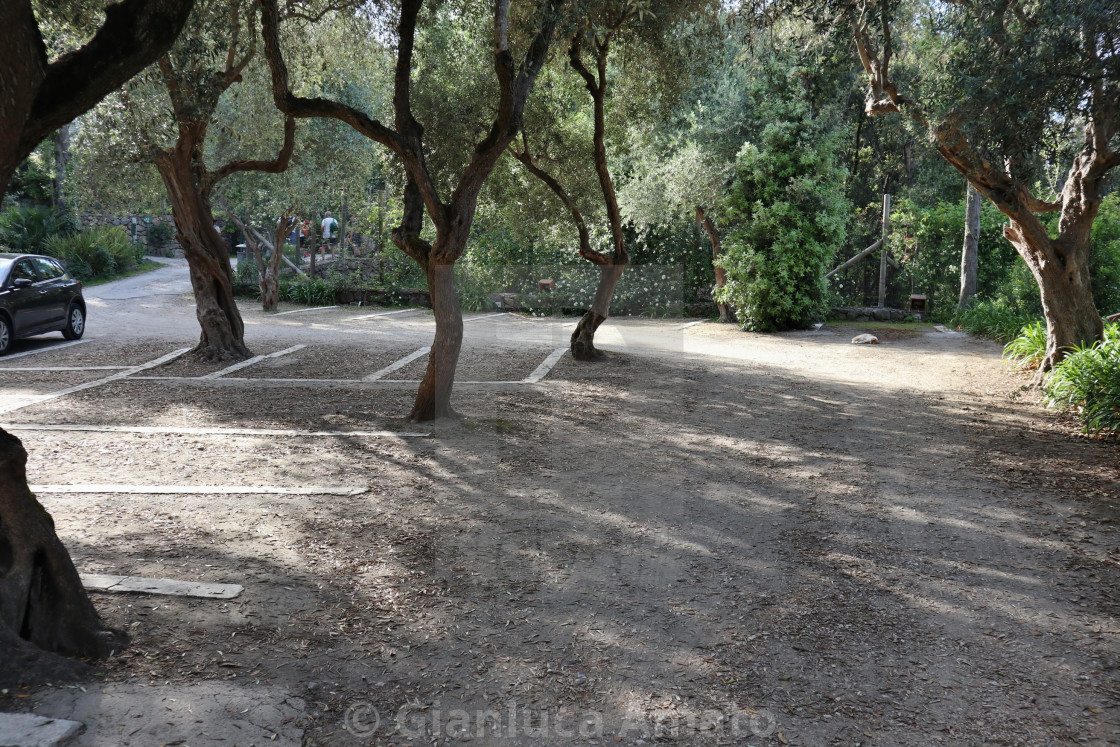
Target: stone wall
167,249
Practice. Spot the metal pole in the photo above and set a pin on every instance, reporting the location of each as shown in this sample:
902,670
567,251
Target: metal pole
883,256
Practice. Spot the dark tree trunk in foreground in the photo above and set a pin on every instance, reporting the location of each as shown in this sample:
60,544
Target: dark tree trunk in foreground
726,314
42,602
970,252
1060,266
40,96
452,219
41,597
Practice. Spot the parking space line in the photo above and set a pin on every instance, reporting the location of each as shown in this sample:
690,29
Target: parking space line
543,369
195,490
62,368
251,361
155,430
13,356
486,316
300,311
377,375
90,384
690,324
380,313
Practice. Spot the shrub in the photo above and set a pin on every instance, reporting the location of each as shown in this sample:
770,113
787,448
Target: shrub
27,229
997,319
101,251
787,214
1088,383
310,291
1029,348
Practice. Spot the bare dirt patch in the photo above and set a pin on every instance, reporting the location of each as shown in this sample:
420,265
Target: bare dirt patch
759,540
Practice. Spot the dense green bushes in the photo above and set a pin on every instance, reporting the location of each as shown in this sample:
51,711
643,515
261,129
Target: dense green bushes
1087,382
27,229
788,214
929,240
102,251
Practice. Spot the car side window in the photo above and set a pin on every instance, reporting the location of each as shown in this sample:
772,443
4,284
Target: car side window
23,269
48,269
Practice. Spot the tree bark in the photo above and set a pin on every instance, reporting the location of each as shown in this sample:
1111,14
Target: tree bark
970,252
1060,266
726,313
42,600
40,96
583,337
433,399
270,273
223,331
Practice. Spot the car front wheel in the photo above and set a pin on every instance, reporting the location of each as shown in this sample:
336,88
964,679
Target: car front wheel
5,334
75,323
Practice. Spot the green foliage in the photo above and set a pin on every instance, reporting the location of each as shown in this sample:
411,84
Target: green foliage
27,229
102,251
310,291
929,240
1104,261
1029,348
997,319
787,214
1087,382
159,234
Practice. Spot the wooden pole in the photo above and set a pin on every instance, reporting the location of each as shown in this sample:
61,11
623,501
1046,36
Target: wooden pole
883,256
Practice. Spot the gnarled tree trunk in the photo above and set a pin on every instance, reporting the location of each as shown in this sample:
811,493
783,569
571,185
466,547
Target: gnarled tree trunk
41,596
433,398
223,331
726,313
1061,270
583,336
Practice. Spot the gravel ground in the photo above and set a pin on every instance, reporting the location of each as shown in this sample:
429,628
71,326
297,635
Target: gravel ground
709,538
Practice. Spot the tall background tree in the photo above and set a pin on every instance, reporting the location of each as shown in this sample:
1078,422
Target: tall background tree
1052,66
451,215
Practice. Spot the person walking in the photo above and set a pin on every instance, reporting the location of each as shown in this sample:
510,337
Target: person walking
329,231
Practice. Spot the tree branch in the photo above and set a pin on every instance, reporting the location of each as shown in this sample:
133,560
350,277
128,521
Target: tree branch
527,159
134,34
274,166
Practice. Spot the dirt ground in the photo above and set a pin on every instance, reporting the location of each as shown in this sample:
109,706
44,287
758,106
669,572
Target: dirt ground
712,537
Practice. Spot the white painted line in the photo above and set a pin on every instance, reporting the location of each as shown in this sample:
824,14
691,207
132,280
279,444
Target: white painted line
90,384
168,586
690,324
212,431
414,382
194,490
62,368
375,376
543,369
300,311
43,350
380,313
251,361
486,316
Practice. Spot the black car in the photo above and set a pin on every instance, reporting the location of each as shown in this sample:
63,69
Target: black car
37,296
